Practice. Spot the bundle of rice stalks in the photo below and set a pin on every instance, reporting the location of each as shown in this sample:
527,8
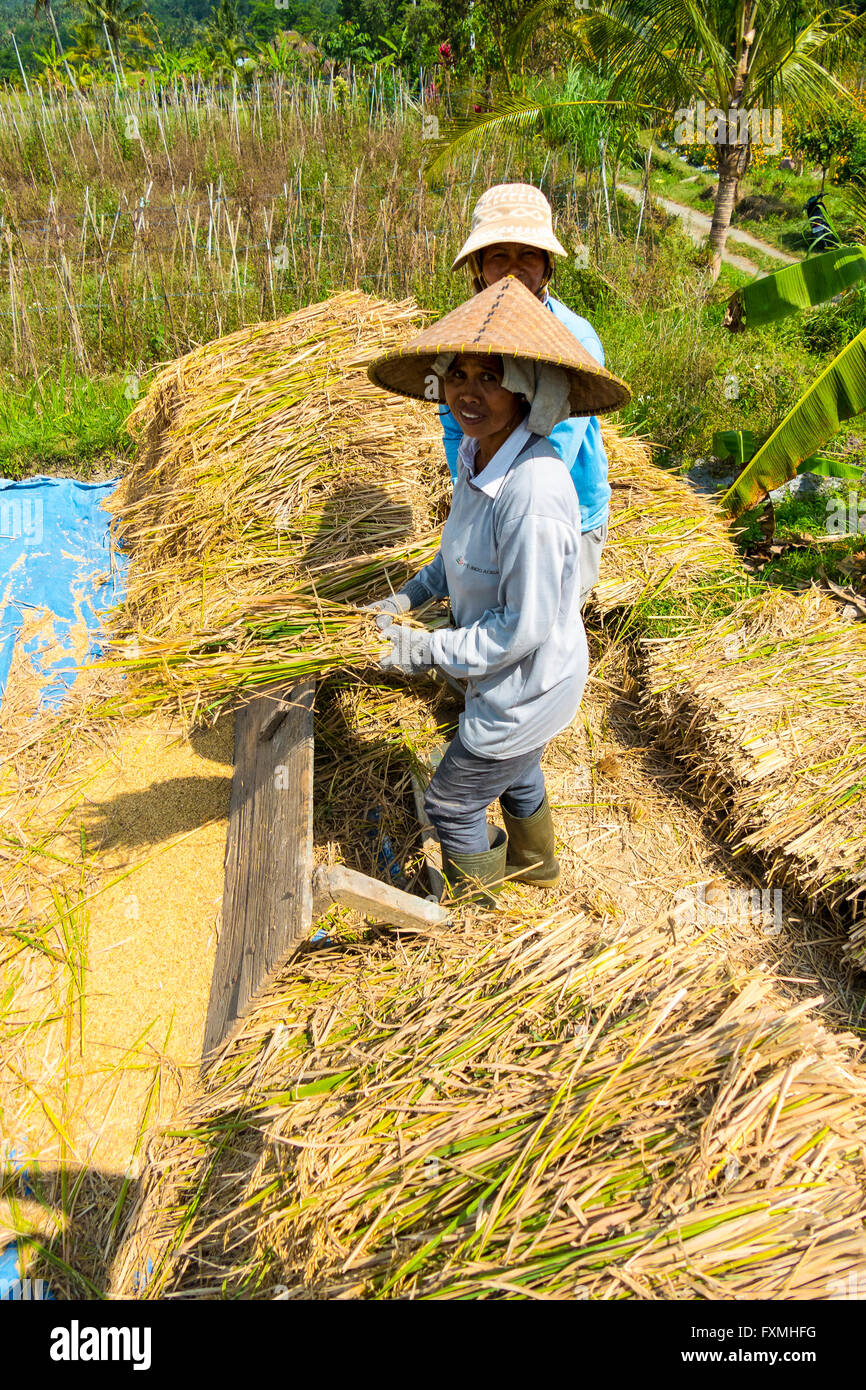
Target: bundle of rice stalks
663,537
514,1110
275,489
767,710
368,739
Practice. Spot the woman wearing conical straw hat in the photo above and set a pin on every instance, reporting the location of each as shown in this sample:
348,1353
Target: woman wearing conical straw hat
509,561
511,233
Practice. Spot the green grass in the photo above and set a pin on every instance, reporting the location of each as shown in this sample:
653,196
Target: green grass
801,519
62,422
765,263
797,568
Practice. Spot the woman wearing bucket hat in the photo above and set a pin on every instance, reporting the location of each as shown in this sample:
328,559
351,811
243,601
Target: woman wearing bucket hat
509,561
512,234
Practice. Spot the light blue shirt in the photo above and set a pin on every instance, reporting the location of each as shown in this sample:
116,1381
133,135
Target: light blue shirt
576,440
509,561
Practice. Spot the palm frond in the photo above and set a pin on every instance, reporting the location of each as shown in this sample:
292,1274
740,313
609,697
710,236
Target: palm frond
475,133
855,196
524,31
680,50
845,32
660,51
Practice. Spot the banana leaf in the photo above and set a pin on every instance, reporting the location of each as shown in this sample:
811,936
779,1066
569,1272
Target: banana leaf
799,286
838,394
828,467
736,444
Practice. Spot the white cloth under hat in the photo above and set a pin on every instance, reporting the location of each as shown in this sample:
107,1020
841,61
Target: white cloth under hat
517,212
545,386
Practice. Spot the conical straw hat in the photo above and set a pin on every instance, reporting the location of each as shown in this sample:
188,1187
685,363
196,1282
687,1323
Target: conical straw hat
506,320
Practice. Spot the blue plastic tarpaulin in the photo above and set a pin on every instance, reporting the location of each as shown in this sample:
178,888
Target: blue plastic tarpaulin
55,554
13,1285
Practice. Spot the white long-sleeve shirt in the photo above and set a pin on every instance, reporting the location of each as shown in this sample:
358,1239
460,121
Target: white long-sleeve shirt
509,560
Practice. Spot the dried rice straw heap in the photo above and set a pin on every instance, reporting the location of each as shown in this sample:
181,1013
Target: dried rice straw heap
767,709
662,536
520,1108
275,488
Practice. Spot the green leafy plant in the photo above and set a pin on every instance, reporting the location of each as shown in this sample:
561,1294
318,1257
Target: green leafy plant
838,394
795,287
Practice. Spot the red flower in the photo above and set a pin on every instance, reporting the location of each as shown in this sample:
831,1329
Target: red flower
445,53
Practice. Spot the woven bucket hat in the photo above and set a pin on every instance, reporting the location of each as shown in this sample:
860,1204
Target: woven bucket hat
511,212
504,320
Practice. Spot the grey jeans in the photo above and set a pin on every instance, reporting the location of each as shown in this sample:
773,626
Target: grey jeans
591,546
464,785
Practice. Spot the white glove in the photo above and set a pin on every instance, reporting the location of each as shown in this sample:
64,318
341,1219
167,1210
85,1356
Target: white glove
409,651
387,609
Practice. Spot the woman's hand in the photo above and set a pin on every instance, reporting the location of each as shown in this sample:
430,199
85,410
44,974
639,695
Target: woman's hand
409,650
387,609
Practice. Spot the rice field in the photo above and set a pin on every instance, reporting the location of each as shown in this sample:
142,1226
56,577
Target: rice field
148,220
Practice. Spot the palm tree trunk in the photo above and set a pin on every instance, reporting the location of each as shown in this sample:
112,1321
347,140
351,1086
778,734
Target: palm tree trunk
730,172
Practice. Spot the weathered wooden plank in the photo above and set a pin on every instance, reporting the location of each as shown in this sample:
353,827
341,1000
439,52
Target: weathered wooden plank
382,901
280,898
267,899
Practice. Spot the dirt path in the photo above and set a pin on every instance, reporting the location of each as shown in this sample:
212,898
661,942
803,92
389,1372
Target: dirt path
697,226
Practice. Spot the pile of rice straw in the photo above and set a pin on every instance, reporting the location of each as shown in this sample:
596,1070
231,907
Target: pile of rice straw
662,536
275,488
521,1107
767,710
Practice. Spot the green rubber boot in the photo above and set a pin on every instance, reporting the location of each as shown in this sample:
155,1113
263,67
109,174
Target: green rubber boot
531,848
463,871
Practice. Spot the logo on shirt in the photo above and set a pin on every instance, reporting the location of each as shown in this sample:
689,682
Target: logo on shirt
476,569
